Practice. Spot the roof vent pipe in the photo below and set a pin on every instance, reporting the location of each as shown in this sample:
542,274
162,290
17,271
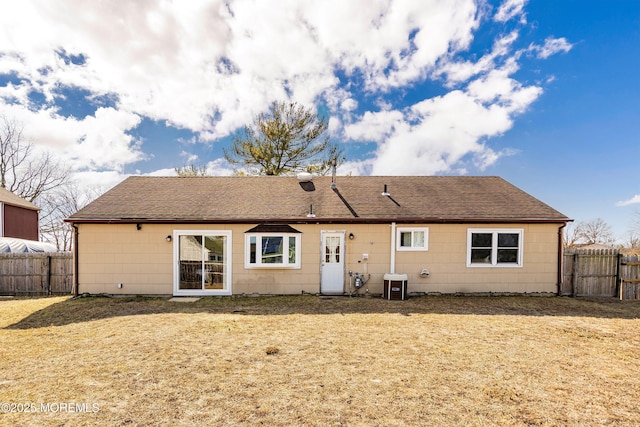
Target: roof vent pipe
384,192
333,173
304,177
311,214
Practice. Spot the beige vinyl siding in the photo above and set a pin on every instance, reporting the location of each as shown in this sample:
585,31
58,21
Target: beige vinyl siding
108,254
446,261
142,260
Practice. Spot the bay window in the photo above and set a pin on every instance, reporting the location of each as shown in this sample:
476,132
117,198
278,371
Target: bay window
272,250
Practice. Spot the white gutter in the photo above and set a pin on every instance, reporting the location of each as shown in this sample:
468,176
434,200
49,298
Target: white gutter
392,261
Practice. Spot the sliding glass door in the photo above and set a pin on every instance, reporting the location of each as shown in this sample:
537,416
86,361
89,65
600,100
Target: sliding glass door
202,262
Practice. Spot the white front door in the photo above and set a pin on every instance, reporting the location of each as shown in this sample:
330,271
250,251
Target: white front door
332,263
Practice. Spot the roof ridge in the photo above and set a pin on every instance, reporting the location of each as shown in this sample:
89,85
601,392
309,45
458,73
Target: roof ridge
276,198
10,198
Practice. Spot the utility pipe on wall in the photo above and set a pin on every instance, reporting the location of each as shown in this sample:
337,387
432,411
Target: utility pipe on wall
560,258
76,252
392,261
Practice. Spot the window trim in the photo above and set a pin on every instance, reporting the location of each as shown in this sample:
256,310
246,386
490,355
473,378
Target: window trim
227,260
494,247
401,230
285,250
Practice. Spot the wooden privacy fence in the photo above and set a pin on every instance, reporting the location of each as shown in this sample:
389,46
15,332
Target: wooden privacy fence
600,273
36,273
630,277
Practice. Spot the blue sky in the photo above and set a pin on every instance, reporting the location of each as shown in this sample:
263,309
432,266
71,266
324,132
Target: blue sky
543,93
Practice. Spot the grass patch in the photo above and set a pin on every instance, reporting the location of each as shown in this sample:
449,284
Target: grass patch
303,360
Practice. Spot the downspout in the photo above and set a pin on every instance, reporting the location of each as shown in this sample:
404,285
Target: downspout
76,283
560,257
392,261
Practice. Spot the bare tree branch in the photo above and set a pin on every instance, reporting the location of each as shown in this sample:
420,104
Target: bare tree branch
23,171
592,232
58,204
191,170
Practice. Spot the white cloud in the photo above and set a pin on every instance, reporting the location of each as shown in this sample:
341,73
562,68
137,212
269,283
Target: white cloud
95,183
210,65
635,199
439,141
356,168
499,90
375,126
162,172
551,47
510,9
219,167
104,142
186,61
430,138
349,104
460,71
189,158
95,142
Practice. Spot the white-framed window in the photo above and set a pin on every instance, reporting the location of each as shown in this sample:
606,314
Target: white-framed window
412,239
272,250
491,247
202,260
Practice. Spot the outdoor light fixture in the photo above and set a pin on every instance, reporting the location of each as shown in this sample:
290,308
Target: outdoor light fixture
351,236
138,226
169,238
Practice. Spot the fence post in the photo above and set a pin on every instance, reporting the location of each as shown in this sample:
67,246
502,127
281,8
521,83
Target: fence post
618,276
574,274
48,274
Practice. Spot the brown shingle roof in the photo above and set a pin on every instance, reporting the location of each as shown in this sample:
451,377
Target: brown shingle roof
9,198
285,199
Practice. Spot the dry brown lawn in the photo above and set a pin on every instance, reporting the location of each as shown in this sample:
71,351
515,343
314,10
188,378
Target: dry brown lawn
309,361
